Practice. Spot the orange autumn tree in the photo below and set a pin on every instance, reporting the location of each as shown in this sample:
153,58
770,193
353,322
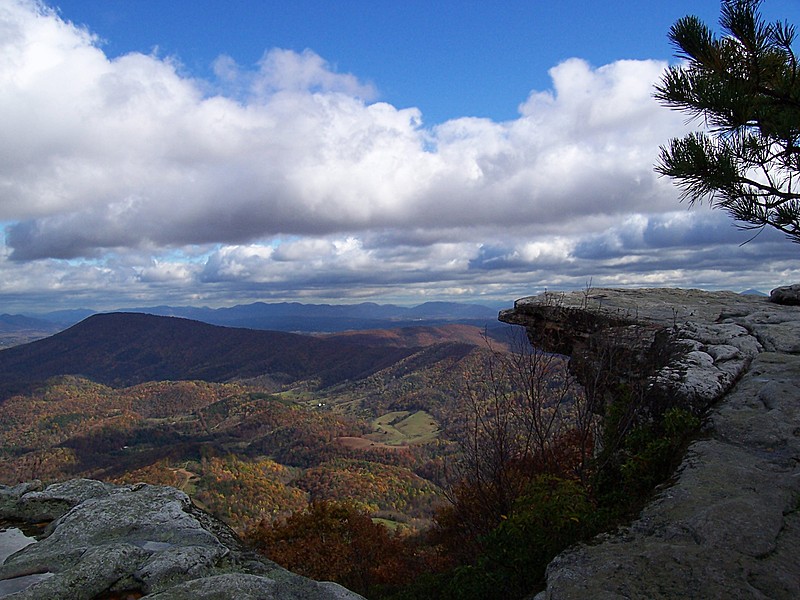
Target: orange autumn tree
335,541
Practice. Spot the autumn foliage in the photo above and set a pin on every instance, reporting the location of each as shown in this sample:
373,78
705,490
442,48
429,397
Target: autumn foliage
503,465
336,541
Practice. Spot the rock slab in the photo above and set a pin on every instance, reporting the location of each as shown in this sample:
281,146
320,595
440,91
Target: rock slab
729,524
141,539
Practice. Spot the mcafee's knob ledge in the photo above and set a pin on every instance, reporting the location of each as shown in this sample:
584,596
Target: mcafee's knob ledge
729,525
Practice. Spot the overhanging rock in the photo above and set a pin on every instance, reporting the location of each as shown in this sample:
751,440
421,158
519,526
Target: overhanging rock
729,525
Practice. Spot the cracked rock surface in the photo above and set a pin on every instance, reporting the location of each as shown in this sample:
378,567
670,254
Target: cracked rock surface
729,524
143,539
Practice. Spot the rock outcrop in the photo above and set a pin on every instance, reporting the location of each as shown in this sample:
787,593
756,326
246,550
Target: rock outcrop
728,526
149,541
787,294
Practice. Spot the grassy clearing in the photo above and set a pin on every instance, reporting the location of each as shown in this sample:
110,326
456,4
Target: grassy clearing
389,524
402,426
295,396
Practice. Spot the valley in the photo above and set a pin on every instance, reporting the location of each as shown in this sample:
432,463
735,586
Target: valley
252,424
361,438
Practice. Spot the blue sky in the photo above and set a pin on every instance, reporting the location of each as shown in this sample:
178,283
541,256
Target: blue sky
450,59
222,152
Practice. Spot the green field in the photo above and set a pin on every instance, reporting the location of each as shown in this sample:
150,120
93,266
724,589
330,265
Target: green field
402,426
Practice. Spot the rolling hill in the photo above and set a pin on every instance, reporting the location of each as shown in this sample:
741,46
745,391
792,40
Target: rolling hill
121,349
246,421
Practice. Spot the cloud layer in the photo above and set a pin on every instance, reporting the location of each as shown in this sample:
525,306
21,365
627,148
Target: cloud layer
125,179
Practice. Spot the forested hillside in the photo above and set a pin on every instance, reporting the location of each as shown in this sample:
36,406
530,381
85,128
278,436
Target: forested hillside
127,348
387,444
253,424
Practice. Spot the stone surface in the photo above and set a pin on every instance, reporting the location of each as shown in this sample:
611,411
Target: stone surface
787,294
141,538
250,587
729,525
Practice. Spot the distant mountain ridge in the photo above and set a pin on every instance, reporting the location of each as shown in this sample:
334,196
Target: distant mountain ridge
308,318
19,329
22,323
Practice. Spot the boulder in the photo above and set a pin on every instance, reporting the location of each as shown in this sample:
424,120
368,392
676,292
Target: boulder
141,539
787,294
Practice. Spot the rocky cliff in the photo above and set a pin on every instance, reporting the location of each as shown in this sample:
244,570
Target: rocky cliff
140,541
728,525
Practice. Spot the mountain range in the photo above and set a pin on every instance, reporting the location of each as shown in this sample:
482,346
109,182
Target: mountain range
253,424
295,316
284,316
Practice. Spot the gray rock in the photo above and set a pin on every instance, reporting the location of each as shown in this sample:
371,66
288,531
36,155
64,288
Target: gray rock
10,499
220,587
729,525
96,572
140,538
787,294
173,564
251,587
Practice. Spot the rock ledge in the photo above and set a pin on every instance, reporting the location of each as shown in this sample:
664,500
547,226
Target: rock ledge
729,525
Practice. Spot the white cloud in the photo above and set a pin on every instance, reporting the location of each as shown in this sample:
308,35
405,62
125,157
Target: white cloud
133,140
285,70
291,175
170,273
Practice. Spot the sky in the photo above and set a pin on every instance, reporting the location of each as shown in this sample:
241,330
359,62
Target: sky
221,152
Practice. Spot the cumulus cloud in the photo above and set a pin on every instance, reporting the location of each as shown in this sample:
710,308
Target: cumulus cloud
292,176
132,141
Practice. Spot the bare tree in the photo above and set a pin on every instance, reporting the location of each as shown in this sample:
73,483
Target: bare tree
523,415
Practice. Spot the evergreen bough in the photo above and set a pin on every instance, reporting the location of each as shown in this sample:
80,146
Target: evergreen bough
745,87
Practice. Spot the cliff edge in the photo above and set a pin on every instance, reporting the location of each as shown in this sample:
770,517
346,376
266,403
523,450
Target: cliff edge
728,524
